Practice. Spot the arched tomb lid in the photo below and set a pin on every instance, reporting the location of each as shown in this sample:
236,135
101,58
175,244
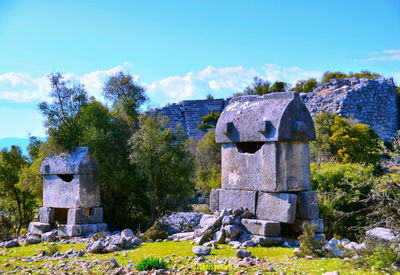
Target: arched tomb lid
271,117
76,162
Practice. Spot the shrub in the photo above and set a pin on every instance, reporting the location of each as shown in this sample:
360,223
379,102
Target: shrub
155,232
151,263
341,189
378,257
52,249
6,226
99,235
310,244
202,208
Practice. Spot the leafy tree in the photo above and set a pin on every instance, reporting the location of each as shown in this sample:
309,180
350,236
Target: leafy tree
210,97
279,86
62,115
354,143
305,86
259,87
14,200
327,76
126,95
338,138
208,163
341,189
163,163
209,121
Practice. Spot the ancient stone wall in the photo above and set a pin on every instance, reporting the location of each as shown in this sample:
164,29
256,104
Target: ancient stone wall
373,102
188,114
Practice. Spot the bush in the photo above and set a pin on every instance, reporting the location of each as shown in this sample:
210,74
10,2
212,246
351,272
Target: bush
99,235
6,226
151,263
154,233
52,249
341,189
378,257
202,208
310,244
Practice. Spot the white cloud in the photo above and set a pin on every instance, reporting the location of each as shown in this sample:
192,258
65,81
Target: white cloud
385,55
19,87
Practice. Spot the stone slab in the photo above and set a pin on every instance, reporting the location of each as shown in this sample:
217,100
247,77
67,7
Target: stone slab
68,230
214,200
307,205
101,227
275,167
38,228
96,215
77,216
88,228
46,215
297,226
280,207
262,227
235,199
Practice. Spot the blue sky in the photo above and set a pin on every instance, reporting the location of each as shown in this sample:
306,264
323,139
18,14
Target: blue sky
184,49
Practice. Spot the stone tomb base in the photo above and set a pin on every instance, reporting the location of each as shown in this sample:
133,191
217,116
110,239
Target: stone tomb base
67,230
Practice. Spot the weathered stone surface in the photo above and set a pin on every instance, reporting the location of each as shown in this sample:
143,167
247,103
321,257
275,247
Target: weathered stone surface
241,253
49,236
232,230
11,244
70,180
297,226
77,216
262,227
380,236
96,215
33,239
136,241
275,167
307,205
97,246
267,241
126,233
369,101
201,239
181,222
230,220
281,111
38,228
101,227
219,237
69,230
46,215
279,207
214,200
201,250
237,199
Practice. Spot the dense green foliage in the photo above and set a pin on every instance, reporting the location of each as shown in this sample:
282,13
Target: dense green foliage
164,164
16,200
208,163
209,121
341,189
151,263
305,86
342,140
327,76
310,244
262,87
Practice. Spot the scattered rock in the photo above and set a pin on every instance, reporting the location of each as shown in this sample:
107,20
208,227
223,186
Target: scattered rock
241,253
201,250
126,233
49,236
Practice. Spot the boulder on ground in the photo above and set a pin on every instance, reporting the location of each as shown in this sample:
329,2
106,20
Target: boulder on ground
201,250
181,222
126,233
33,239
380,236
241,253
49,236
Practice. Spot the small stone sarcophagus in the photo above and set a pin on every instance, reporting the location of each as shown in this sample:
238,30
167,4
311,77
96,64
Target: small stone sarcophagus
71,195
265,158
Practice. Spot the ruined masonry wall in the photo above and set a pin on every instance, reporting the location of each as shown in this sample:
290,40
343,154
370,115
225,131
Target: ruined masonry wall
373,102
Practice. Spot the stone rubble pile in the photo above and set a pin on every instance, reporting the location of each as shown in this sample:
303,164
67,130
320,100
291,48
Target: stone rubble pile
179,222
238,228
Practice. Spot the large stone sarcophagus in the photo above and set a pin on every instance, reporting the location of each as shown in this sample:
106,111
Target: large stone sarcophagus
265,159
71,195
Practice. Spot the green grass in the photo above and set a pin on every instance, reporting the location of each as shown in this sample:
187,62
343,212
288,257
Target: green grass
180,254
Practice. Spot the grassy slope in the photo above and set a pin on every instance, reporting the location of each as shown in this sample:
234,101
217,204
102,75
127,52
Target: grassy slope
280,258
